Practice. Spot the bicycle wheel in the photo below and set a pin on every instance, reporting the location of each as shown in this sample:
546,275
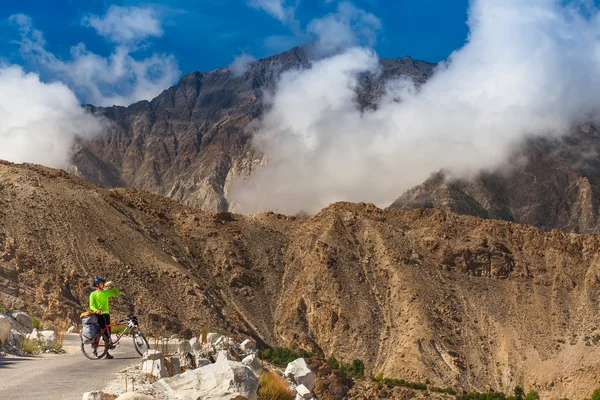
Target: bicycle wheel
140,342
95,350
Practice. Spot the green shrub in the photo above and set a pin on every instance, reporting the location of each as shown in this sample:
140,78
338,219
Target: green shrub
379,377
37,323
532,395
282,355
357,368
30,346
491,395
389,382
272,387
333,363
2,308
596,395
519,393
442,390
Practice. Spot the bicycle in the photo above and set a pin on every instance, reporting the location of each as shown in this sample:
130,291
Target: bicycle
94,350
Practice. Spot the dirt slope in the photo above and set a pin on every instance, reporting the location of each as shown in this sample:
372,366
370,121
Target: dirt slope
419,294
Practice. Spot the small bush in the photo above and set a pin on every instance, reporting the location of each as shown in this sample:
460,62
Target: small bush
2,308
519,393
30,346
532,395
272,387
379,377
442,390
491,395
282,355
401,382
37,323
333,363
357,368
596,395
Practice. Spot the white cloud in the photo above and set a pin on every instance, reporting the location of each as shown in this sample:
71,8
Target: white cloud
39,121
529,68
119,79
276,8
126,24
241,64
347,27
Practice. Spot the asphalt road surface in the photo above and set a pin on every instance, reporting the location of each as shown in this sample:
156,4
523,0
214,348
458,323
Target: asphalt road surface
64,376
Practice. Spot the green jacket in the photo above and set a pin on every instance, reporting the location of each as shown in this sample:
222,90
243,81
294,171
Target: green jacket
99,300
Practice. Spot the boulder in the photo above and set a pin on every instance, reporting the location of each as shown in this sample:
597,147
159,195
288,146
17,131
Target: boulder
14,338
187,361
134,396
157,368
47,338
184,346
212,338
223,380
23,319
195,344
300,374
173,366
152,355
5,328
174,337
98,395
72,329
34,335
304,392
247,345
201,361
252,362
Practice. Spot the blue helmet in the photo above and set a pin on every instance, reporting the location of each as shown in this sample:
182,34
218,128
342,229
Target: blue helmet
98,280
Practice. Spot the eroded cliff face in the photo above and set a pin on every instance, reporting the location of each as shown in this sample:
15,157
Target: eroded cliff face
418,294
551,184
191,141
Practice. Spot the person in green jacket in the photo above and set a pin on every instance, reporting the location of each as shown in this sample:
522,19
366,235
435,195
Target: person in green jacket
99,305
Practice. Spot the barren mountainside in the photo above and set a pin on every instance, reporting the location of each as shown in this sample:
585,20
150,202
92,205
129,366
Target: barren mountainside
194,138
551,184
416,294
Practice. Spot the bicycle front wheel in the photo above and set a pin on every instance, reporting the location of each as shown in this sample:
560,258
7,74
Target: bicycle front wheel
94,350
140,342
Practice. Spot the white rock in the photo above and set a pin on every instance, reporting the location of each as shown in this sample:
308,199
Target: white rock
212,338
184,347
97,395
152,355
247,345
223,380
253,362
299,372
48,338
23,319
134,396
5,328
201,362
186,360
195,344
72,329
14,338
304,392
156,368
173,365
174,336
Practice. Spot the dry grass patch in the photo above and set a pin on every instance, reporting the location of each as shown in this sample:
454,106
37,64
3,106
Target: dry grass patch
272,387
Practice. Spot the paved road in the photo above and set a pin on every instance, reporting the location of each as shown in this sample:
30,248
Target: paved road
61,377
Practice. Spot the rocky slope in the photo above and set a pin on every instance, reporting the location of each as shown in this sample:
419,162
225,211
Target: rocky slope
551,184
194,138
419,294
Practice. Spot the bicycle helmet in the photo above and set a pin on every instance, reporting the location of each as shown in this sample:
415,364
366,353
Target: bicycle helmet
98,280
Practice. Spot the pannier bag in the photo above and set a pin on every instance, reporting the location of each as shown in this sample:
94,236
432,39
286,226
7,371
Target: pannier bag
91,328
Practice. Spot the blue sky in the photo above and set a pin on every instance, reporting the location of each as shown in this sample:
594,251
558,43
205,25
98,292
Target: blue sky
207,34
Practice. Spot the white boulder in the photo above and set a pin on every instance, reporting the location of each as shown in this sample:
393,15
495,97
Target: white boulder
14,338
72,329
201,361
47,338
173,365
34,335
134,396
304,392
156,368
152,355
5,328
195,344
300,374
247,345
252,362
223,380
212,337
184,347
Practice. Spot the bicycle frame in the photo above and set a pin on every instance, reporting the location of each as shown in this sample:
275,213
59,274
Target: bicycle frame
130,327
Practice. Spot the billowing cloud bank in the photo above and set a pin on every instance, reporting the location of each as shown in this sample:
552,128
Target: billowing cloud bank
528,68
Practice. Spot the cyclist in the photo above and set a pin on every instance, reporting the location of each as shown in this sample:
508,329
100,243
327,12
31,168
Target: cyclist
99,305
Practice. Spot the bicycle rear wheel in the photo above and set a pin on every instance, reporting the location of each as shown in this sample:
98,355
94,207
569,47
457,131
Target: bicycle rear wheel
94,350
140,342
